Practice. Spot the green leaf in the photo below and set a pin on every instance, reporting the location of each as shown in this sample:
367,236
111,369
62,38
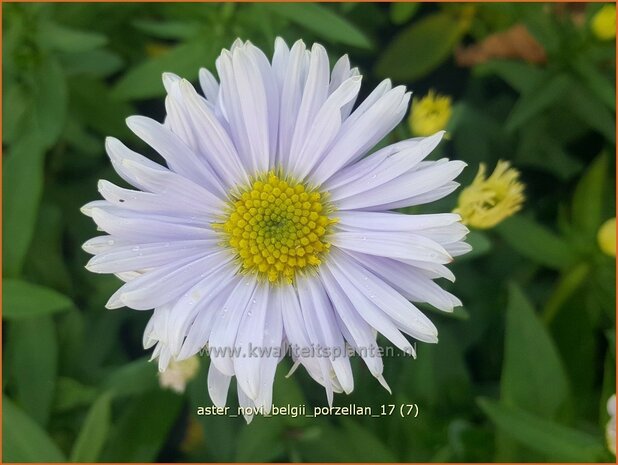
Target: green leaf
94,431
33,365
49,103
144,80
592,112
531,361
521,76
261,441
322,21
64,39
23,440
72,394
98,63
598,84
536,242
168,29
23,300
132,378
589,197
557,442
401,12
22,178
539,98
420,48
367,445
143,428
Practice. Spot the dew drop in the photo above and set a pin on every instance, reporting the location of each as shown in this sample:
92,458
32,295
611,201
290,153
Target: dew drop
110,242
135,249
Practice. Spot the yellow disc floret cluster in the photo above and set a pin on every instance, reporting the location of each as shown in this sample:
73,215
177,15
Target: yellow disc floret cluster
278,227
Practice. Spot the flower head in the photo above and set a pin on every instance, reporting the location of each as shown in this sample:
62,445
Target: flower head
269,230
606,237
610,429
603,23
178,373
430,114
488,201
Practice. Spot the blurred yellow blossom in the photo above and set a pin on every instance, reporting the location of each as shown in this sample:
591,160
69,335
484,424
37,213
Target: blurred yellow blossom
194,436
488,201
430,114
179,373
604,23
156,49
606,237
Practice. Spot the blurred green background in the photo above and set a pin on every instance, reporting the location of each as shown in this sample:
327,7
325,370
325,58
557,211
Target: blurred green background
522,373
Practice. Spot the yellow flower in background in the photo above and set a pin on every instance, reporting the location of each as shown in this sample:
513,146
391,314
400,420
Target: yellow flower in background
179,373
430,114
606,237
603,23
488,201
194,436
156,49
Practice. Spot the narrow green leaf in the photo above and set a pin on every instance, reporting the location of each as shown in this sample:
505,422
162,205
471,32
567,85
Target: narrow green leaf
65,39
592,112
589,197
598,84
132,378
143,428
322,21
531,361
420,48
99,63
144,80
22,186
33,365
401,12
94,431
261,441
557,442
368,446
23,300
521,76
72,394
23,440
49,103
538,99
536,242
168,29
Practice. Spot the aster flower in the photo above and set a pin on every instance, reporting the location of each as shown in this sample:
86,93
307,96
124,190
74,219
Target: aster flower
271,228
430,114
490,200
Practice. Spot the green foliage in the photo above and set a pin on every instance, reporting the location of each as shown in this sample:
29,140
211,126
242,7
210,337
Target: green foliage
534,342
94,431
421,47
25,300
556,442
20,432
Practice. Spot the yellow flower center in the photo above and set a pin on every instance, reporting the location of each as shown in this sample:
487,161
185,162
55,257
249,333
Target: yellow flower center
277,227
